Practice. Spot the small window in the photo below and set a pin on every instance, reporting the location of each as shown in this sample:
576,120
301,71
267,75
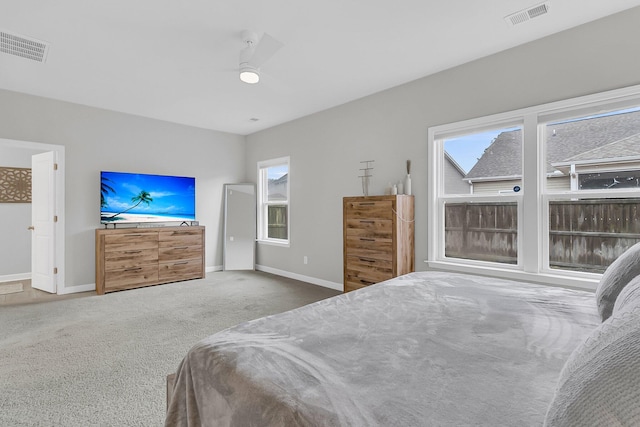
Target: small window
481,179
273,201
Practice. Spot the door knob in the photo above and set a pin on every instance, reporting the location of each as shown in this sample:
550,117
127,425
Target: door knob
31,227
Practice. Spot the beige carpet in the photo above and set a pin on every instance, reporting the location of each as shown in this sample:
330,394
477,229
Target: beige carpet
102,360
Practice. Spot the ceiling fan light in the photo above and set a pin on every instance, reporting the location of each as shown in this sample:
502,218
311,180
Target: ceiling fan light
249,75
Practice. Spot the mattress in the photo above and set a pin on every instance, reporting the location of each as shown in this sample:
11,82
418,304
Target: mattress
427,348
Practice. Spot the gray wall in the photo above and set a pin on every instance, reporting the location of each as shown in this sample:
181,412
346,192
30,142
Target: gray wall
96,139
391,126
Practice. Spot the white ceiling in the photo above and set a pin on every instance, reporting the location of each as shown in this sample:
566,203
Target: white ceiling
177,60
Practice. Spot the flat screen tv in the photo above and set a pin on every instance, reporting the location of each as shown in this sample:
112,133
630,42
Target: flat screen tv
135,198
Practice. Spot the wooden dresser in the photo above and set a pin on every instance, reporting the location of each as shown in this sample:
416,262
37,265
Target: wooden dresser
134,257
378,234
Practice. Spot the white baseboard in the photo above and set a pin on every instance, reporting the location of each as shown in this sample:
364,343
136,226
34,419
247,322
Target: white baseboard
14,277
212,269
302,278
75,289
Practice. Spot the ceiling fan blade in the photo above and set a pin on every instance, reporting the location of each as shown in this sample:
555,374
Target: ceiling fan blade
264,50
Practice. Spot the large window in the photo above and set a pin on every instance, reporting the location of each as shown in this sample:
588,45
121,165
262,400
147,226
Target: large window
551,191
273,201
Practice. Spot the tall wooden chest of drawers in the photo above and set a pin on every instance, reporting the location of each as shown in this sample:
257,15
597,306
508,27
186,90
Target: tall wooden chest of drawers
134,257
378,234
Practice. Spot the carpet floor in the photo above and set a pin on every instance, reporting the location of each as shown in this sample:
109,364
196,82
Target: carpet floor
103,360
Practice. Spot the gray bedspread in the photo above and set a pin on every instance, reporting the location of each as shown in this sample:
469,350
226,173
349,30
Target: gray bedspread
425,349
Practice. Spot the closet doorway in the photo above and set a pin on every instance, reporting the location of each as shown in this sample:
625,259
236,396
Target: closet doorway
45,232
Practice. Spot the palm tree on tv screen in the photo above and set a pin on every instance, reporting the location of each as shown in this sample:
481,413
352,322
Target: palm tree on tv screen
142,197
105,189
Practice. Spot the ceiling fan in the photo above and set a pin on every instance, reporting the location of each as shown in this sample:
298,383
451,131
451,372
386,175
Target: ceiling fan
255,53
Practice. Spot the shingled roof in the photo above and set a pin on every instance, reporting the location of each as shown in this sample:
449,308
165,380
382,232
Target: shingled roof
579,140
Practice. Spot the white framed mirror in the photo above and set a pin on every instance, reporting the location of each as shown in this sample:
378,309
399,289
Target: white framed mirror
239,227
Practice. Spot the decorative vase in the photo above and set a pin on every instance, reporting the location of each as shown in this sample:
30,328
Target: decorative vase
407,185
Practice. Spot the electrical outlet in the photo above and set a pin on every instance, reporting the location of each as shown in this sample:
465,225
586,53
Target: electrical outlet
306,260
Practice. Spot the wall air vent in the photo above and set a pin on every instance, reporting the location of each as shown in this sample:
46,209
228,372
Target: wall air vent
527,14
24,47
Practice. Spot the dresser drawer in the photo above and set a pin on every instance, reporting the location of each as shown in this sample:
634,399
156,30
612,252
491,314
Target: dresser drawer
120,242
365,277
374,209
117,260
369,228
130,277
378,260
181,270
372,243
177,253
184,237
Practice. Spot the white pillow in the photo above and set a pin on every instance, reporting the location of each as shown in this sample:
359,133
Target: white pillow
600,383
615,278
629,297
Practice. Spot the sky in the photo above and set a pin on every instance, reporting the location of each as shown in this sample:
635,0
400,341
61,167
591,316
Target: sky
466,150
276,172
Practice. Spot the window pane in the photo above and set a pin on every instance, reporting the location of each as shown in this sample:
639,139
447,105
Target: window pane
488,162
278,177
482,231
277,222
607,180
599,152
589,234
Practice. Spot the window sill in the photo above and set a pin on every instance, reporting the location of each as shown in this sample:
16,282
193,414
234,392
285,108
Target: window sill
549,279
282,244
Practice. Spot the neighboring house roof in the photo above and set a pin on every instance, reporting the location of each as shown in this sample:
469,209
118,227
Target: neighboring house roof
454,164
628,147
565,141
277,184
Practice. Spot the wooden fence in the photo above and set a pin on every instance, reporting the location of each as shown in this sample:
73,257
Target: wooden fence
588,235
277,222
482,231
584,235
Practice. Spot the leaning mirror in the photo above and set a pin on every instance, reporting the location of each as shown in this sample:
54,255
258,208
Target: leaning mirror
239,226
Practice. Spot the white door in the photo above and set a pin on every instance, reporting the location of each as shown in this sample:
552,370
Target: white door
43,219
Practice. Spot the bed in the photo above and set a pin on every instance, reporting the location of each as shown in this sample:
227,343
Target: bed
427,348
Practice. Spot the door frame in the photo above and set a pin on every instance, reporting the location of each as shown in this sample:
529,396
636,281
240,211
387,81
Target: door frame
59,227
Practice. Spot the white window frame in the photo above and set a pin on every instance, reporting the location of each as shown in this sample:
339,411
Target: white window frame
263,203
533,203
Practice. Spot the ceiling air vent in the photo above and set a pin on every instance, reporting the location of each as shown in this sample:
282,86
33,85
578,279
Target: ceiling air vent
23,47
527,14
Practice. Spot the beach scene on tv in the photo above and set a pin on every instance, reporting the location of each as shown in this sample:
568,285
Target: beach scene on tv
131,197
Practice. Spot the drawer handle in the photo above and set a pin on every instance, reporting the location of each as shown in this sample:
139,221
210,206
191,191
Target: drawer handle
367,260
133,269
367,240
367,221
133,235
181,247
366,282
366,203
180,263
132,252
